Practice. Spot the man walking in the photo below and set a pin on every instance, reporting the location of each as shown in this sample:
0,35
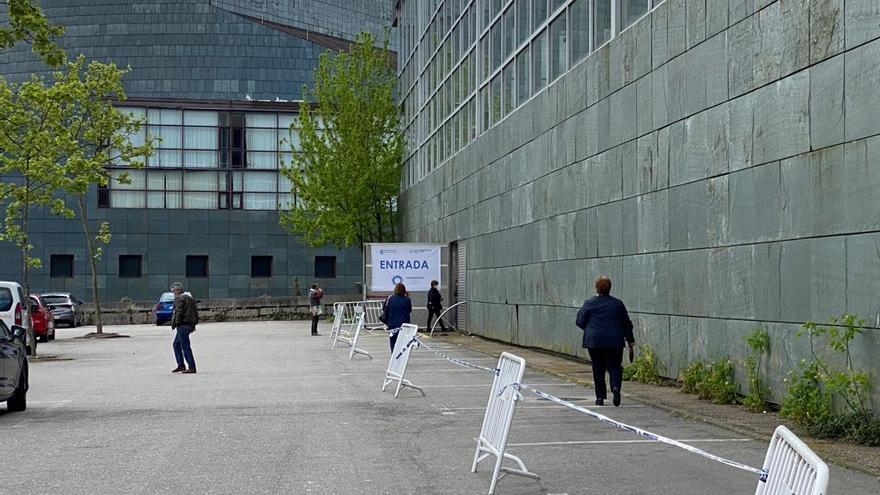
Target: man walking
184,317
434,306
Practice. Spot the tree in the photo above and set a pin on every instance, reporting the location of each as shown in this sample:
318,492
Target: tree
58,139
27,23
347,176
96,135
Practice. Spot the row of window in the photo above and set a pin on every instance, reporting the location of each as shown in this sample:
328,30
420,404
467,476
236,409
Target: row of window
131,266
469,63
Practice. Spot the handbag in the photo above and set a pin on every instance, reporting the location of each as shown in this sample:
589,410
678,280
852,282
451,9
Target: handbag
384,316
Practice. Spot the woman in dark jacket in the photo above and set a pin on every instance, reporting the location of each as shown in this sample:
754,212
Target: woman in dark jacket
607,328
398,308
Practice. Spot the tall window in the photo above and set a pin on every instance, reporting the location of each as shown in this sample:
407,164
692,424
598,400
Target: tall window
261,266
196,266
558,47
539,62
130,266
632,10
579,15
61,266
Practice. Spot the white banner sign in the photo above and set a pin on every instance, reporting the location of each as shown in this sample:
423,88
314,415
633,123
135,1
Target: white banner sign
413,264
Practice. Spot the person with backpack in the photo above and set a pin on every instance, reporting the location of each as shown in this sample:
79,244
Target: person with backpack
184,318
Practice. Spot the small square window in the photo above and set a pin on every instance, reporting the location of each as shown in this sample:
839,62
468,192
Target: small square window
130,266
261,266
325,266
196,267
61,266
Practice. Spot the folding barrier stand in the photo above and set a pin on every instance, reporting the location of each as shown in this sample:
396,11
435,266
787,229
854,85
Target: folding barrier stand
400,358
792,467
372,312
358,326
346,323
337,322
496,422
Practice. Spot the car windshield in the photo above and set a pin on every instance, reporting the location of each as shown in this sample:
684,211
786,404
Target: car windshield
166,297
5,299
55,299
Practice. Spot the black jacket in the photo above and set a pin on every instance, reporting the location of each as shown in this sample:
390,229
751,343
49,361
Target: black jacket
399,309
434,299
605,322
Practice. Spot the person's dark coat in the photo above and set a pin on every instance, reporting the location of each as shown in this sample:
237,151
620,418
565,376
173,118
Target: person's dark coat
605,322
399,310
434,299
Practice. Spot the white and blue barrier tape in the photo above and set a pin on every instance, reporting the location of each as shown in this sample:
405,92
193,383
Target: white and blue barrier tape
762,474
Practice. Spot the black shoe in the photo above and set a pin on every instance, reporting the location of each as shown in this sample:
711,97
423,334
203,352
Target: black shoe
314,334
178,369
600,402
188,371
616,393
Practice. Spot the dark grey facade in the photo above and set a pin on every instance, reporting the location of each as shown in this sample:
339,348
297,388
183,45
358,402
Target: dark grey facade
214,61
719,160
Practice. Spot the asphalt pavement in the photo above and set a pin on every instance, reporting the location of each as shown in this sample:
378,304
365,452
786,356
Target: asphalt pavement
275,410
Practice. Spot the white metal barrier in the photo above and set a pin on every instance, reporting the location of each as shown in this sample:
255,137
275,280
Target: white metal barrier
400,358
792,468
358,326
372,312
496,423
344,319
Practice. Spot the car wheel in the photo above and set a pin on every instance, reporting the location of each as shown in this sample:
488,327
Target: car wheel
18,402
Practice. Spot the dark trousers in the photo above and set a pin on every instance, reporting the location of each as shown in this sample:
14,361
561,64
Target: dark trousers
606,359
182,347
315,319
432,312
392,338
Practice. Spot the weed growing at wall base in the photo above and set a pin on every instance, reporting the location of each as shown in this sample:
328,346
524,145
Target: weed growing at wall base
644,368
711,381
759,345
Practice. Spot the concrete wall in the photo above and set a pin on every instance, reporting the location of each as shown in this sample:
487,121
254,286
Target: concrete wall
719,160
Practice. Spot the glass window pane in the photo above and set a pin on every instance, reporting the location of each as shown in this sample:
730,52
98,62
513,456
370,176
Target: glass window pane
163,116
555,4
155,200
632,10
539,62
497,53
484,44
286,119
135,179
522,77
173,200
200,159
523,28
285,201
484,96
261,139
169,137
496,99
259,201
260,181
558,47
199,200
284,184
156,181
127,199
200,117
173,181
579,15
509,31
602,29
261,120
508,83
200,181
200,138
539,13
262,159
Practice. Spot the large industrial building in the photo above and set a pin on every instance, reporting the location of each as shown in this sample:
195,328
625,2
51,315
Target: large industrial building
219,82
718,159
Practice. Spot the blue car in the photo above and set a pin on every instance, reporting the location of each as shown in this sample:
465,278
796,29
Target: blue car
164,307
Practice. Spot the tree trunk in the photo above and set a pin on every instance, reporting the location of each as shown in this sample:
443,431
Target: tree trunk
93,263
25,280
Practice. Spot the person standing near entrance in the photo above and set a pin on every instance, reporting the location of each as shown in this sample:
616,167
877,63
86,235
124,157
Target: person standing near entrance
607,329
396,312
434,306
184,318
315,306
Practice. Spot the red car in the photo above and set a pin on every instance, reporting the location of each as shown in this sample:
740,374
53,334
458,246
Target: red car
42,319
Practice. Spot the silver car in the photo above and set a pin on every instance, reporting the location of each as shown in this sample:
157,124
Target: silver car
65,307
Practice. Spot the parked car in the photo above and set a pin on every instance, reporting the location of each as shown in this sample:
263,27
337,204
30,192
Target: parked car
65,307
164,308
13,367
14,311
42,318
